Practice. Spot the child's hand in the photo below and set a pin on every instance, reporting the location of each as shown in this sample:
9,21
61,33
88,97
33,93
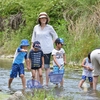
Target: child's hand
28,68
42,67
23,50
59,66
90,69
87,67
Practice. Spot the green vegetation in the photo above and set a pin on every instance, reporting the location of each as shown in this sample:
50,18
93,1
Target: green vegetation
4,96
77,21
46,95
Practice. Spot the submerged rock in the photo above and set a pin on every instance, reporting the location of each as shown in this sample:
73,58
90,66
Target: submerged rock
17,96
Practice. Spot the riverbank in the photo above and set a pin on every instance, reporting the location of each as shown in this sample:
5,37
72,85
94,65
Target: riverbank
4,96
6,56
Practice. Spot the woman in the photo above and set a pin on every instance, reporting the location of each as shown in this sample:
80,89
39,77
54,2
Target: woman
95,59
46,35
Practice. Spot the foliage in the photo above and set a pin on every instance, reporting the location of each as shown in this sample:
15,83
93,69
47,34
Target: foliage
46,95
77,21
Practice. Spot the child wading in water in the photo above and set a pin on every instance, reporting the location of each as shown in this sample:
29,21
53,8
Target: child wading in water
58,54
87,71
36,61
18,66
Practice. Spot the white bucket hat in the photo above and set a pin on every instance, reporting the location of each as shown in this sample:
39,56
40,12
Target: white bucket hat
43,15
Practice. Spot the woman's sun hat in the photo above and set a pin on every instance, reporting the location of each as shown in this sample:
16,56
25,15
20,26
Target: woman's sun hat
43,15
24,42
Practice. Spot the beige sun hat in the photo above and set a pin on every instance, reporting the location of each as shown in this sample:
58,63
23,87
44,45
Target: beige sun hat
43,15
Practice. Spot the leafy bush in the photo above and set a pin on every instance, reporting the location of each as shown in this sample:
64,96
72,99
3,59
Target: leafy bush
77,21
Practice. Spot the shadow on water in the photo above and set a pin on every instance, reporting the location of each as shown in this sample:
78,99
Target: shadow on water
70,89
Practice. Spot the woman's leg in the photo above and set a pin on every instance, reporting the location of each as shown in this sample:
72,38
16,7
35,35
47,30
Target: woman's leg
47,71
47,66
95,80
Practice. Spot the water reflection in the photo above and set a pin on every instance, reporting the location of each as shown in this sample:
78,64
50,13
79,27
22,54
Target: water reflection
70,89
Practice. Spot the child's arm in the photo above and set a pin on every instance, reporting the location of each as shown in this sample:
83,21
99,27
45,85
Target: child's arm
54,59
42,62
91,69
83,64
64,57
28,63
21,50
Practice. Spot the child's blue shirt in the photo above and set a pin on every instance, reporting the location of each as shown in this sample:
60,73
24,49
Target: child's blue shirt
19,56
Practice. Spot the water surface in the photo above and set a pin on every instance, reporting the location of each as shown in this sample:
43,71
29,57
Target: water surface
70,89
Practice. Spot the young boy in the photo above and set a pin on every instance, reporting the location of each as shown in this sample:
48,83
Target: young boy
58,54
18,65
87,71
36,61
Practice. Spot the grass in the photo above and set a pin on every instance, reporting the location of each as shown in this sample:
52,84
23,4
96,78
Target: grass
46,95
4,96
77,21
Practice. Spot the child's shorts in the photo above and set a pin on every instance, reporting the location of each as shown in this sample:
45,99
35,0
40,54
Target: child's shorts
17,68
89,78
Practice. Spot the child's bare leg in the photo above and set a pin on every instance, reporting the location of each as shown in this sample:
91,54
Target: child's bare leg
91,84
40,75
23,80
37,76
33,74
9,82
61,83
81,83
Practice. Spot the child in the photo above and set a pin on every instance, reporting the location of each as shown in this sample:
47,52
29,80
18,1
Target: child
58,54
87,71
18,66
36,60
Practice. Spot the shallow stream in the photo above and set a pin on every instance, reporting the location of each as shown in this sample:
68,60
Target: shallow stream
70,89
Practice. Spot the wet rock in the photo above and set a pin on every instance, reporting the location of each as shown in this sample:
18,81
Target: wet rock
2,56
17,96
10,56
6,56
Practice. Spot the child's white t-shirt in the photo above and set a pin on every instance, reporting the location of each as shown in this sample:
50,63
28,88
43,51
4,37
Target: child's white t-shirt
85,71
59,56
